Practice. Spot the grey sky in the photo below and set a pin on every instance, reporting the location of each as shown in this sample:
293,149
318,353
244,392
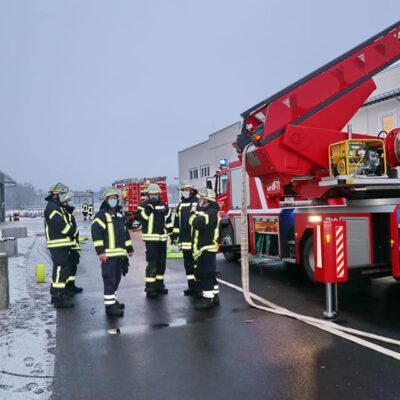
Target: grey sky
93,91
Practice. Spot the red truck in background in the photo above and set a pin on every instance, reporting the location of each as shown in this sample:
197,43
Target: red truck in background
133,192
304,172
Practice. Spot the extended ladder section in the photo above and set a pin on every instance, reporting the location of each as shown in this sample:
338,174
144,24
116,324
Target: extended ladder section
318,90
292,130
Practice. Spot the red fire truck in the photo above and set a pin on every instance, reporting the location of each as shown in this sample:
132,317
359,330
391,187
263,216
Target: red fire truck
305,172
133,192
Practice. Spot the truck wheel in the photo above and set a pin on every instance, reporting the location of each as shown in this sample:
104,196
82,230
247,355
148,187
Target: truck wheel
227,240
308,258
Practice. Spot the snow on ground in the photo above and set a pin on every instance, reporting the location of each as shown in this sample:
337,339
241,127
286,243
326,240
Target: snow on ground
28,327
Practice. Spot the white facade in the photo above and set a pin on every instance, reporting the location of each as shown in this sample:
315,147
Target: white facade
198,162
380,112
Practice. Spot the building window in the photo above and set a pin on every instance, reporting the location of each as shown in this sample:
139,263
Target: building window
194,173
388,121
204,171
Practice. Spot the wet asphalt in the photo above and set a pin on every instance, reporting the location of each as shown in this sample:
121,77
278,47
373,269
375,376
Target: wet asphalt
168,350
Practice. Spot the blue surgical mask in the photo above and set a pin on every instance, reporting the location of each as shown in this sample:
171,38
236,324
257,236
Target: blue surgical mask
112,202
71,203
61,198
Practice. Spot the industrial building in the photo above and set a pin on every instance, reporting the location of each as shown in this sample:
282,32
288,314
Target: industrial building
5,181
380,112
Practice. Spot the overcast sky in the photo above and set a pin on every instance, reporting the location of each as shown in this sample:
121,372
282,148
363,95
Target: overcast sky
94,91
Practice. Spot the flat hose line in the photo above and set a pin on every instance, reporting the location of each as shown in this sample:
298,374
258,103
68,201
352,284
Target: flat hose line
331,327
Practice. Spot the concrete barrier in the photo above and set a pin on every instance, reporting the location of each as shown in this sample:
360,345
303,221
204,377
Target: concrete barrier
4,285
15,232
9,246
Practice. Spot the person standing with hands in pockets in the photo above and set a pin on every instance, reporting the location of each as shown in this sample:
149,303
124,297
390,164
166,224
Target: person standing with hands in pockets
113,244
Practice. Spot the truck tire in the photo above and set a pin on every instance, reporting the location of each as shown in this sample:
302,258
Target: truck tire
308,258
227,240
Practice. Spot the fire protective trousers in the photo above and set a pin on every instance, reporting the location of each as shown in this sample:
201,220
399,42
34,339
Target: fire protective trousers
188,262
156,254
111,273
206,271
61,270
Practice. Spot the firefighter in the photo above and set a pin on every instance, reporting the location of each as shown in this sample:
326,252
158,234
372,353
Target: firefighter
74,255
182,231
112,244
85,210
90,211
157,225
205,225
60,235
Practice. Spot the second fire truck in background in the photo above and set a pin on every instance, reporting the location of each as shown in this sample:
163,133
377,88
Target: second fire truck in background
133,192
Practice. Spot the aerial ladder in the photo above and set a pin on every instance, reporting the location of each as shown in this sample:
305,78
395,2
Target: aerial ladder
299,147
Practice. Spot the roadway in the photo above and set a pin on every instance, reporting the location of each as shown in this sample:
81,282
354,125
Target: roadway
168,350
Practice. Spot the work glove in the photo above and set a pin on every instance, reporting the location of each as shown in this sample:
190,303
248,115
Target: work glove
125,266
149,209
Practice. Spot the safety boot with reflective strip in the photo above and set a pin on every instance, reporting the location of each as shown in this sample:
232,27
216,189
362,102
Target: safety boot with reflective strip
207,300
160,287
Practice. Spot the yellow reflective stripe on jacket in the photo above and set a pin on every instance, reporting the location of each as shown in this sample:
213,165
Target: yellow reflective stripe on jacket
175,230
186,245
142,213
150,224
100,222
66,242
128,242
111,233
192,218
169,225
53,213
150,280
66,229
98,243
154,237
117,252
203,214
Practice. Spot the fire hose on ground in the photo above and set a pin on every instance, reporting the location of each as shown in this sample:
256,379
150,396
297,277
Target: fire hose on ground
350,334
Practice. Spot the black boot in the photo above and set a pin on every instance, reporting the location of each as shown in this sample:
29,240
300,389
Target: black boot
121,306
75,289
62,302
189,292
216,299
162,290
114,311
68,292
204,303
151,293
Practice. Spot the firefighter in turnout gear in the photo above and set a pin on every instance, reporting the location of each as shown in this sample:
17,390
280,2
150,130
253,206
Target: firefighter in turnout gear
60,234
112,243
205,225
157,225
90,211
74,255
182,232
85,210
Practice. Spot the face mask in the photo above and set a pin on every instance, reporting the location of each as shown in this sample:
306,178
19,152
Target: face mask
112,202
185,195
153,197
71,203
61,198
